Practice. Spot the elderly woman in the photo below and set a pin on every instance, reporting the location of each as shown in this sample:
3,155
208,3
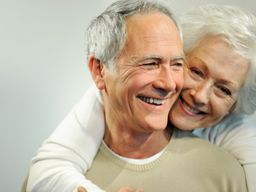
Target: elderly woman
218,94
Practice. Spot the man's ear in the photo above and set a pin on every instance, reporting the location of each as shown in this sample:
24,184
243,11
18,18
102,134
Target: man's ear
97,72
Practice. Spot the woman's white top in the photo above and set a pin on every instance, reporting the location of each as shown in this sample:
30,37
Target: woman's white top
65,156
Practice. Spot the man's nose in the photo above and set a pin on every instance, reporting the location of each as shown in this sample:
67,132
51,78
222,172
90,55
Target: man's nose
165,82
202,92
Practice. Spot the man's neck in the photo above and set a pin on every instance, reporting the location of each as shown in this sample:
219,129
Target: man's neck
134,144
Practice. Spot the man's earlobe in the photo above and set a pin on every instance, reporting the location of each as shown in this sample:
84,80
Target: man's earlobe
97,71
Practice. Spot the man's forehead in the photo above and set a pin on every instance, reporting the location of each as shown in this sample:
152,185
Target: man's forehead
149,20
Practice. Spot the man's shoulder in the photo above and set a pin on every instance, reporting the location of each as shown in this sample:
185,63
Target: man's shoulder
204,152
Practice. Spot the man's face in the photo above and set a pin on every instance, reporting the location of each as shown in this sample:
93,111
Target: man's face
149,74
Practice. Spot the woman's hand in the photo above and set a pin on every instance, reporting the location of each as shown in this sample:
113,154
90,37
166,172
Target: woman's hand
128,189
81,189
123,189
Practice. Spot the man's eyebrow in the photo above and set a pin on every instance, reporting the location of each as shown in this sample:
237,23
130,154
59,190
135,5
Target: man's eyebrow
178,58
145,58
152,57
157,58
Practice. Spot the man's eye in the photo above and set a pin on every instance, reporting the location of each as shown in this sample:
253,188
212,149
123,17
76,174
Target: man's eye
150,65
196,72
177,66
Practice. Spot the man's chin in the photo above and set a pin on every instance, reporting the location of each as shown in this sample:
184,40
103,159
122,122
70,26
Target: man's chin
156,126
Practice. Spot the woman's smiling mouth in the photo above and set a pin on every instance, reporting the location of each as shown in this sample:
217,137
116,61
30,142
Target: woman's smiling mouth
188,109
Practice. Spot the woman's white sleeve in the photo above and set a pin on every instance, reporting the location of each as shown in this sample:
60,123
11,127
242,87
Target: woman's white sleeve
250,172
66,155
238,138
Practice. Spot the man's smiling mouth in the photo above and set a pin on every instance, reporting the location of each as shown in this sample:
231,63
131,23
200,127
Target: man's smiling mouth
151,100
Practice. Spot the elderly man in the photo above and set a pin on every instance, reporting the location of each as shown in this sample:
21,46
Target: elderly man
136,60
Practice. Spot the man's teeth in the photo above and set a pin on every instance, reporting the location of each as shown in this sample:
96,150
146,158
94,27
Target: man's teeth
192,110
152,100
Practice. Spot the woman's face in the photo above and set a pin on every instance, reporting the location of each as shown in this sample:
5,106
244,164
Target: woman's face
214,77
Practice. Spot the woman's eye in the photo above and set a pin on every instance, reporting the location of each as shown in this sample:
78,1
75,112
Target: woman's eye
197,72
224,90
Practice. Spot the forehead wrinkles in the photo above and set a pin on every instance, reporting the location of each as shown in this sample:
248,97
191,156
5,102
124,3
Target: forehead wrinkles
148,50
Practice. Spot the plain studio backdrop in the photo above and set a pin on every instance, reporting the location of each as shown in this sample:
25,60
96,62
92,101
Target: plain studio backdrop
43,72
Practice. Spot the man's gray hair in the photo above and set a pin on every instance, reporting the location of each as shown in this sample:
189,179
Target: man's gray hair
235,26
106,34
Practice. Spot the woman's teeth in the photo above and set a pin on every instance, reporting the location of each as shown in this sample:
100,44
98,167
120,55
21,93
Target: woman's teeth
190,109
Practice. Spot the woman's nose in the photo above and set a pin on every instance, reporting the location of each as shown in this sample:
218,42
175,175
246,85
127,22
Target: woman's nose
202,92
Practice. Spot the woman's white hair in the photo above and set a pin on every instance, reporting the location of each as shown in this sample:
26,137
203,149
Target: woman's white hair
235,26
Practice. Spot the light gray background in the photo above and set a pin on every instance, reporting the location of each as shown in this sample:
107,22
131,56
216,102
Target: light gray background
43,72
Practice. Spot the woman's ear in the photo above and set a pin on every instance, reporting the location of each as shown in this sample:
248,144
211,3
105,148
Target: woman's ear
97,71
